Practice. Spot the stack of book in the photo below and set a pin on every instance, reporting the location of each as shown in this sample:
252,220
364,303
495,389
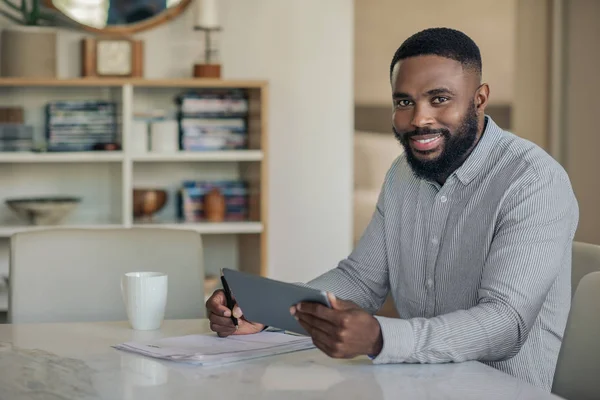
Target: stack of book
80,125
191,200
213,120
16,137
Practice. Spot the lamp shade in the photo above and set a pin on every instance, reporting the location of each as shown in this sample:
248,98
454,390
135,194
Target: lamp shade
206,14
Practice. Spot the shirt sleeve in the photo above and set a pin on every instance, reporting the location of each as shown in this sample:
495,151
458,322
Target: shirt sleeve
363,276
531,247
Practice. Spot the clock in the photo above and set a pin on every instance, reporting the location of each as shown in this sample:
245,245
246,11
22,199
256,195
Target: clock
112,57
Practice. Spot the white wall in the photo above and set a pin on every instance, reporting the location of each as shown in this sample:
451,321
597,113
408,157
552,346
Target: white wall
581,140
382,25
304,48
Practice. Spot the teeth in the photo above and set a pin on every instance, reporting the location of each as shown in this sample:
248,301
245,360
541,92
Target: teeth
427,140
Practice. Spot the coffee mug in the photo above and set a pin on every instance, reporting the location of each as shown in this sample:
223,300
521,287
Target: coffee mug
145,298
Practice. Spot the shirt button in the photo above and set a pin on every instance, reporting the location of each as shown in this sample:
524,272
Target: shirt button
429,283
434,241
443,199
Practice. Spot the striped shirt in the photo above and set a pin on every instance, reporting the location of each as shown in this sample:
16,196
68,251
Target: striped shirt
479,268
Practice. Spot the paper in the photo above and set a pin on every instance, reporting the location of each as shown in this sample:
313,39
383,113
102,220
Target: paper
213,350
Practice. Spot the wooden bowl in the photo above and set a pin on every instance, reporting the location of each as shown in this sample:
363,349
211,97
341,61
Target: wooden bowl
147,202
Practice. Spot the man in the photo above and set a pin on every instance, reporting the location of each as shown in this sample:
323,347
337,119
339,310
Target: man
471,235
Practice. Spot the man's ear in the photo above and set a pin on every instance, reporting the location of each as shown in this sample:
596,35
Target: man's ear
481,97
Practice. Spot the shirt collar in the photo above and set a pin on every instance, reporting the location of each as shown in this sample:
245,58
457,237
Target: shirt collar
476,160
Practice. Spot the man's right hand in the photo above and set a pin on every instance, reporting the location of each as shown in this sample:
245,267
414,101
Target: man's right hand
220,317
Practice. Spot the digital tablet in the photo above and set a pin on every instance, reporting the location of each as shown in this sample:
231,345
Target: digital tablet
268,301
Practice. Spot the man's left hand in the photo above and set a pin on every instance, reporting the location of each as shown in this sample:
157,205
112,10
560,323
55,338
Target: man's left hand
343,331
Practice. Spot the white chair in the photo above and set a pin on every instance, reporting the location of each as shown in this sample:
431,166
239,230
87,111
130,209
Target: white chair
374,154
586,259
577,375
74,275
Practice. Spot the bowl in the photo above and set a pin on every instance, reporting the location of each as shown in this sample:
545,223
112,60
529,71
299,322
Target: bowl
43,210
147,202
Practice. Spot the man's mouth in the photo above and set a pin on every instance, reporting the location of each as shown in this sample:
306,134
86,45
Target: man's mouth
425,142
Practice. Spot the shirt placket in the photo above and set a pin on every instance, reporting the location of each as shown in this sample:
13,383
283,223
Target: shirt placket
439,215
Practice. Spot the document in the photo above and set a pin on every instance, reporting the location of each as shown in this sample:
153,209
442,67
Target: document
209,349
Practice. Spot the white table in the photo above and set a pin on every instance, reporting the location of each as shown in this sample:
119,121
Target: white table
75,361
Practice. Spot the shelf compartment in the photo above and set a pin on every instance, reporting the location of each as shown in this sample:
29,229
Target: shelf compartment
99,185
35,99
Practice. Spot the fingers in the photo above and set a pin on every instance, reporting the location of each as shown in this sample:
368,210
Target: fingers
315,309
219,315
237,312
217,303
221,330
220,320
320,339
333,301
339,304
315,323
223,326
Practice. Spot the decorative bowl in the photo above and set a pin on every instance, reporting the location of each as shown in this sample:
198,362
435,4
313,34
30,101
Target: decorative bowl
43,210
147,202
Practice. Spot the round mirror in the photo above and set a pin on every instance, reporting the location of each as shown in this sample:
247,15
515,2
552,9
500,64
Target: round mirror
118,16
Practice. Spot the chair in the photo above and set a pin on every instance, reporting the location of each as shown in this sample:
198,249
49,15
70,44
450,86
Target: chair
374,154
73,275
586,259
577,375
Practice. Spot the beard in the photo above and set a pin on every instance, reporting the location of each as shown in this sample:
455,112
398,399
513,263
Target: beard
456,147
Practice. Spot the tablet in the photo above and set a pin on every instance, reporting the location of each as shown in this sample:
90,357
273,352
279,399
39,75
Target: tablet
268,301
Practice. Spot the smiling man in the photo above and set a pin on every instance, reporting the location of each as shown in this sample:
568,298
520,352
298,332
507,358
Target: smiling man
471,235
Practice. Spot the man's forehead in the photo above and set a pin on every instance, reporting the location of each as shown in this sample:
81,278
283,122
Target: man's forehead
428,72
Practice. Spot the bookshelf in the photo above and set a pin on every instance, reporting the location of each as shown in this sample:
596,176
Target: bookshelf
105,179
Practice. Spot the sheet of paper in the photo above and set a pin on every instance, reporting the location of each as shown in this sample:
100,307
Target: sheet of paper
210,349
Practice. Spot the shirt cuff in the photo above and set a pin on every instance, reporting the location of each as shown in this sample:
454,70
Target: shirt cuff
398,341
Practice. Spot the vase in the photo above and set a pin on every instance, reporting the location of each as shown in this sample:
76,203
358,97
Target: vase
214,206
28,52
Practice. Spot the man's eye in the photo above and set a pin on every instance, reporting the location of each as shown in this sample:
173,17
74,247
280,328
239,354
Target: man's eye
402,103
439,100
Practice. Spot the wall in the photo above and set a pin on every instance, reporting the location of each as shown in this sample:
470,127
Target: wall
532,76
382,25
582,104
310,114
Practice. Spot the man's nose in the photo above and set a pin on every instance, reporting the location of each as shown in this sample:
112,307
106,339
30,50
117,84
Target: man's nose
422,117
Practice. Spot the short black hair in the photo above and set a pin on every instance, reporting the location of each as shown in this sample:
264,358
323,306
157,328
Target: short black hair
444,42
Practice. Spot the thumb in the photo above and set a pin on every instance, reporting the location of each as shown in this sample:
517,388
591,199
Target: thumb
339,304
335,304
237,311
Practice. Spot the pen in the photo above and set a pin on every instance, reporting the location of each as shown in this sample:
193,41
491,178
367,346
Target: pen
230,303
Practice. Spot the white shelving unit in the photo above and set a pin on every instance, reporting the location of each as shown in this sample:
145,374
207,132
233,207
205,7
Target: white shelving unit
105,179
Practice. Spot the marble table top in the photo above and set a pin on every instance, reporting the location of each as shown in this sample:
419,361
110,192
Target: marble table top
75,361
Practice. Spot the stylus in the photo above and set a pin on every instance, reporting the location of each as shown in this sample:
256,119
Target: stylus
230,303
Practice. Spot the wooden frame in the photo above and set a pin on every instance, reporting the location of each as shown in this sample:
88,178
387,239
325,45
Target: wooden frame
89,57
123,30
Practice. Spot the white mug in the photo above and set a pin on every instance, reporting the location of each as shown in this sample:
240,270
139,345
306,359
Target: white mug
145,298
